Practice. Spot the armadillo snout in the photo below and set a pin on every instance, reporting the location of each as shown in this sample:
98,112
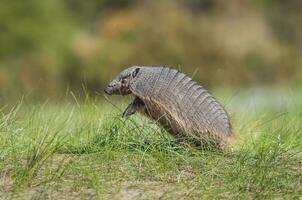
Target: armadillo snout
117,88
109,90
113,88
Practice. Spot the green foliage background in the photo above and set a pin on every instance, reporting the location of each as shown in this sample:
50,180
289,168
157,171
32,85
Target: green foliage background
50,46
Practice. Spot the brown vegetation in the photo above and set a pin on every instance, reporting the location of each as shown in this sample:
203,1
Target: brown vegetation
50,46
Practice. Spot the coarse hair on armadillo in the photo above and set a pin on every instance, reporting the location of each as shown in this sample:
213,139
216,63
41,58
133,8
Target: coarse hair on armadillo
179,103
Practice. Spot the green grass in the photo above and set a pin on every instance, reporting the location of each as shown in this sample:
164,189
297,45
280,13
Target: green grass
86,150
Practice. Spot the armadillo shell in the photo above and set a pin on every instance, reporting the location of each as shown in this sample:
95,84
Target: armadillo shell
179,103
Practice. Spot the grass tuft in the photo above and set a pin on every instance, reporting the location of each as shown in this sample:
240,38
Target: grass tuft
88,151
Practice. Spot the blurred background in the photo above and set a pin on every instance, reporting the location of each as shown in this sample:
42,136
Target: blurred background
50,47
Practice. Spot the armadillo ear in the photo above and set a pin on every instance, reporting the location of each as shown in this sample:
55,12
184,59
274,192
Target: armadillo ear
135,72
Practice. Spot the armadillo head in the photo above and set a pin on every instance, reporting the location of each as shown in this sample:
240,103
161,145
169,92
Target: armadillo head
121,84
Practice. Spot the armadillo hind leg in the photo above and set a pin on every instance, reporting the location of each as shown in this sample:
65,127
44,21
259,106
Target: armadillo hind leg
206,143
137,105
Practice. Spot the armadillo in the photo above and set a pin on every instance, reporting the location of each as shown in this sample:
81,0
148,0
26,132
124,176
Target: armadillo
176,102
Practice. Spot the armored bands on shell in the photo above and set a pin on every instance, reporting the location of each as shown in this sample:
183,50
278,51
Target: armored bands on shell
174,100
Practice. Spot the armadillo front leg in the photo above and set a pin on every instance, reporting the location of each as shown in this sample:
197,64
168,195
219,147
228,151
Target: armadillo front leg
136,106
